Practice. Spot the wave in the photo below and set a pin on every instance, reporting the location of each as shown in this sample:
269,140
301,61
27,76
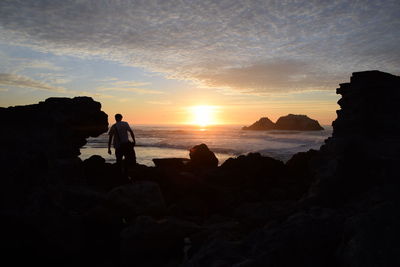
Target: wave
228,141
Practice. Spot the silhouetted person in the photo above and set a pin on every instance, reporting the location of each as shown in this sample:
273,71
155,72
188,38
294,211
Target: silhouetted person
123,147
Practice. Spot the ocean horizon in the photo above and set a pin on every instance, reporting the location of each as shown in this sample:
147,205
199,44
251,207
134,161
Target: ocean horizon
226,141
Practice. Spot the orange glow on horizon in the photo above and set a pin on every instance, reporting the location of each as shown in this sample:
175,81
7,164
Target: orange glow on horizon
203,115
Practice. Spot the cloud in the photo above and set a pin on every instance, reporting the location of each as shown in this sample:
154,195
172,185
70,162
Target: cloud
212,42
13,80
159,102
282,75
129,86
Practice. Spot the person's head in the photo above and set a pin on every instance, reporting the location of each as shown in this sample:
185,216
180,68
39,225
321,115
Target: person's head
118,117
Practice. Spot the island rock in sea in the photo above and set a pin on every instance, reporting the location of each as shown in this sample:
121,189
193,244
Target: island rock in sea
262,124
289,122
297,122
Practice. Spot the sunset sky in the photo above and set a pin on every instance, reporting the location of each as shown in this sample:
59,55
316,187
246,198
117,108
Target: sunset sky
158,61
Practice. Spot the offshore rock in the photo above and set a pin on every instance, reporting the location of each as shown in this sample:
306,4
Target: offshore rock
262,124
298,123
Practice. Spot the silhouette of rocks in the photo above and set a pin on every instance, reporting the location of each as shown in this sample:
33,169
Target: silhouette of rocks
298,123
140,198
359,156
171,163
262,124
348,214
334,207
150,242
202,157
289,122
47,137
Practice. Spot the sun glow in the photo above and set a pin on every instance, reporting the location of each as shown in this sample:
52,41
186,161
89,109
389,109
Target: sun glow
203,115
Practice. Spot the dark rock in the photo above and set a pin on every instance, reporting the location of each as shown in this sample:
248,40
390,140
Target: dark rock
148,242
101,175
202,157
49,138
140,198
358,157
262,124
301,174
218,250
298,123
310,238
374,231
171,163
252,177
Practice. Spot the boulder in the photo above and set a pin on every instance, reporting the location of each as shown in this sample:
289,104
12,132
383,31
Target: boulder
298,123
140,198
202,157
150,242
262,124
171,163
46,138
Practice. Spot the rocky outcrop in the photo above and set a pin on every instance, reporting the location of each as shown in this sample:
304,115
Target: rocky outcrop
298,123
202,157
42,177
290,122
48,136
359,156
262,124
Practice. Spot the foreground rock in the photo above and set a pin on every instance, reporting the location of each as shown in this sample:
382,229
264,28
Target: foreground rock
202,157
43,181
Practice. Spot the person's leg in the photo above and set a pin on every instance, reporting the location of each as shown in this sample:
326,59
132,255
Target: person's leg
118,155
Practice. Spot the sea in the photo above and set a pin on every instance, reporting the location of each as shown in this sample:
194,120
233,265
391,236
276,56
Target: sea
174,141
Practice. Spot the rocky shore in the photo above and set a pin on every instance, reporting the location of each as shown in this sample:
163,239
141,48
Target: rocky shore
337,206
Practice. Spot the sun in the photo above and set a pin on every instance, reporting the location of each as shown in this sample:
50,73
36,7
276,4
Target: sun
203,115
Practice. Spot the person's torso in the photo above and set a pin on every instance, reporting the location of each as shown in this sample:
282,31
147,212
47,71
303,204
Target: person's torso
121,133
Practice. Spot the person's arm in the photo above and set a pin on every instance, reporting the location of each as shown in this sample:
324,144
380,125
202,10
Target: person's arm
133,136
128,128
110,137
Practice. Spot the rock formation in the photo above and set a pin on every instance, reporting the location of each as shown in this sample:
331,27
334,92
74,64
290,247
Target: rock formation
262,124
334,207
297,122
289,122
202,157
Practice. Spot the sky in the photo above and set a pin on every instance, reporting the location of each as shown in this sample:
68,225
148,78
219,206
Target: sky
155,61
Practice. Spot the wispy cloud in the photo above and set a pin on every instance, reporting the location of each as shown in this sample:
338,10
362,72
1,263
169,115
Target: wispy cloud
142,91
129,86
232,44
13,80
159,102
